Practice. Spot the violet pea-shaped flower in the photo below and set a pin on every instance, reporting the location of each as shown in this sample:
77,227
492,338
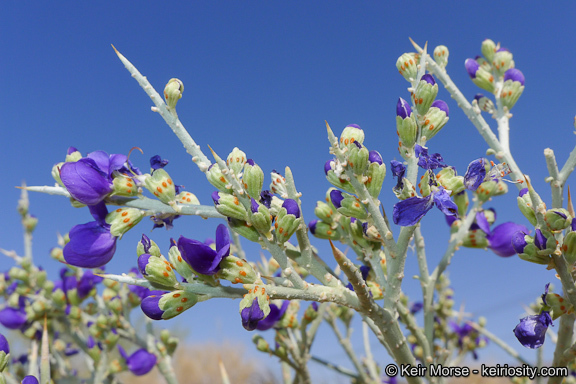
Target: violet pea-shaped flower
85,181
252,315
201,257
91,245
273,317
500,239
531,331
140,362
408,212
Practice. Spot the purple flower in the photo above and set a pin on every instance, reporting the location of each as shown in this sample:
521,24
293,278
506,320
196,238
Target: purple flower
266,198
140,362
201,257
252,315
273,317
518,242
89,180
291,207
312,226
426,161
4,344
531,331
428,78
416,307
501,237
408,212
327,166
472,67
475,174
87,282
514,75
441,104
336,198
403,108
375,157
91,245
13,318
398,170
29,380
151,308
156,162
85,181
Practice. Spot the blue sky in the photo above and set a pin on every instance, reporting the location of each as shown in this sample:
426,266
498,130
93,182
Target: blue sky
264,76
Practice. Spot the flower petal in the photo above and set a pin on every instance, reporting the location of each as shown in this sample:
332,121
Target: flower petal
500,240
200,256
85,181
408,212
91,245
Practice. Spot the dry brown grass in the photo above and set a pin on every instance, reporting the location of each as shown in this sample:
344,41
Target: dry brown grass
198,364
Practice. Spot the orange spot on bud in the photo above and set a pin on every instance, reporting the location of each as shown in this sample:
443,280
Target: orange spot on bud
126,220
124,213
176,295
179,259
239,280
239,263
159,189
169,181
179,309
242,273
184,299
119,210
166,274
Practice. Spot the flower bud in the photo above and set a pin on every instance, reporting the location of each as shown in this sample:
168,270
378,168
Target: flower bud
557,219
217,179
502,61
290,318
236,160
168,305
491,188
146,245
324,212
448,179
525,206
229,205
357,158
407,65
260,343
484,103
236,270
56,174
424,184
178,263
29,222
173,92
479,75
475,238
157,270
426,92
124,186
323,230
376,290
287,221
261,218
244,229
278,184
351,133
72,154
348,205
187,198
406,127
512,88
375,174
441,56
122,220
339,180
255,306
435,119
253,179
488,49
160,185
